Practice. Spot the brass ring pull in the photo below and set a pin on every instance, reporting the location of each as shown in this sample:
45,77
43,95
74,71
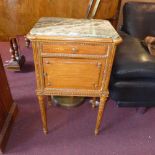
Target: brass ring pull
74,50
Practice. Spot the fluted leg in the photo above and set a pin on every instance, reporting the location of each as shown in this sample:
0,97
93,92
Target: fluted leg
94,102
100,113
49,100
27,42
43,113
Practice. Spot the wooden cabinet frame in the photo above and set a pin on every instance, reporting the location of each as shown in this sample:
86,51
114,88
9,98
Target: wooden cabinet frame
43,54
8,109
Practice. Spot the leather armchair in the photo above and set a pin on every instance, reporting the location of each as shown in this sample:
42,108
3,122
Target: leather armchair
133,76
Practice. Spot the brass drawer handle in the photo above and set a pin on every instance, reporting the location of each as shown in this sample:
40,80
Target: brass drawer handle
74,50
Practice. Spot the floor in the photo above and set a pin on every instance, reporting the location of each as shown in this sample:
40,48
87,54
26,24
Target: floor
71,131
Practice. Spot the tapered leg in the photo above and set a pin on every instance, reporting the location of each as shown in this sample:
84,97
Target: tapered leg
94,102
43,113
100,113
49,100
27,42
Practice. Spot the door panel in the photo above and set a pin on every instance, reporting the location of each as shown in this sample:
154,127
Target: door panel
72,73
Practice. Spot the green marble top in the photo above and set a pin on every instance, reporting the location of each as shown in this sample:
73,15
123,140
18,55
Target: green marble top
69,27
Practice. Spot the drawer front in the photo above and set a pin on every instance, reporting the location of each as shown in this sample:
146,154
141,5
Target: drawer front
75,48
73,73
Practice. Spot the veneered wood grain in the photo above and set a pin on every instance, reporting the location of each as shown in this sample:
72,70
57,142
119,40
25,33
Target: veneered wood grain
73,73
17,17
75,48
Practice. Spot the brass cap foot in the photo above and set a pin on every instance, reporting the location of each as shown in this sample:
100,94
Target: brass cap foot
96,132
93,106
45,131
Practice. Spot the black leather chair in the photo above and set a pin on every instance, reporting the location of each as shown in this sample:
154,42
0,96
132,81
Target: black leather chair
133,76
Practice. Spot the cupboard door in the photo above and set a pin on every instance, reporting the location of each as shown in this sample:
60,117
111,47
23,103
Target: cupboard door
73,73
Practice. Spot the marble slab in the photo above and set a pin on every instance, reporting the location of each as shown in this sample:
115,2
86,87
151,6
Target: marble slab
69,27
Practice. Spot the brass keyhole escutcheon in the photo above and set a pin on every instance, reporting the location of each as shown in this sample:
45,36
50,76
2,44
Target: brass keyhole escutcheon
49,84
47,62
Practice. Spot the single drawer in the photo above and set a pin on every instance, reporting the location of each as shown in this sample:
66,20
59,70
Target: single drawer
73,73
75,48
